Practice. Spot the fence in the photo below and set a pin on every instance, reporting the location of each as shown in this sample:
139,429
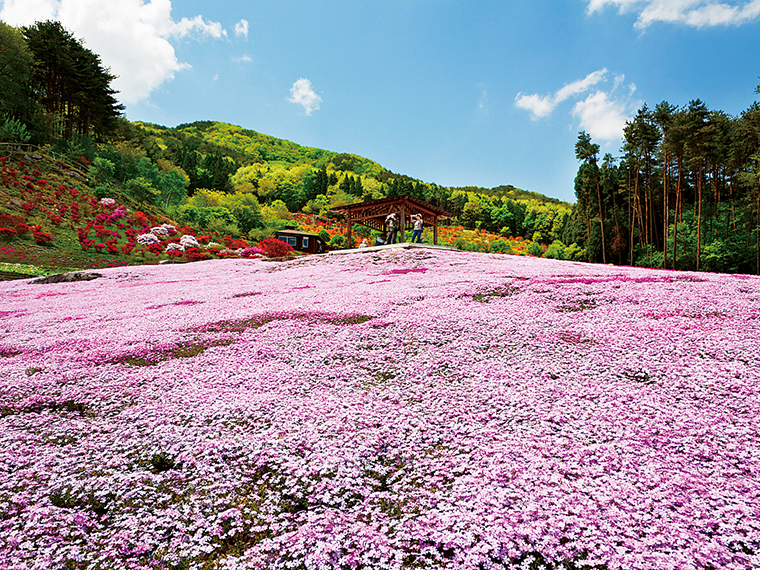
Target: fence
6,149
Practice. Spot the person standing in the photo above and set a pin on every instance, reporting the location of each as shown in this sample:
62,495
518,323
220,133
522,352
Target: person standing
392,221
417,225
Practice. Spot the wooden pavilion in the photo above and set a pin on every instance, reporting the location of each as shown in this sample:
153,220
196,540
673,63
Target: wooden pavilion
372,214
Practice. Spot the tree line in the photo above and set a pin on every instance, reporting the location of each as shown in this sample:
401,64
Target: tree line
685,194
52,87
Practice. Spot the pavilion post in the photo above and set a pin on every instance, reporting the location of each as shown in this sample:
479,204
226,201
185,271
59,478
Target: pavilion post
403,225
348,233
435,230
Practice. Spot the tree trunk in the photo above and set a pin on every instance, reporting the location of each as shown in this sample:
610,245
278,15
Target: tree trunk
699,213
666,213
601,213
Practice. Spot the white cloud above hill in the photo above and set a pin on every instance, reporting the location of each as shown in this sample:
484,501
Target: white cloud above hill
601,113
132,37
303,94
541,106
694,13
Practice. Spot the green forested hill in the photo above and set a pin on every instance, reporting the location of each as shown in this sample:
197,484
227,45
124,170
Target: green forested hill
220,160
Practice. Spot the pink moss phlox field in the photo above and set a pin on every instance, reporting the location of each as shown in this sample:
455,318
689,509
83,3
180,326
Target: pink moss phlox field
400,409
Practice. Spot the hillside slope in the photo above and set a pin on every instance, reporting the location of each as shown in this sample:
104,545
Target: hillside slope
402,409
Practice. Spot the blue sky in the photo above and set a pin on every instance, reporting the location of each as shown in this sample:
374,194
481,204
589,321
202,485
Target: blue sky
447,91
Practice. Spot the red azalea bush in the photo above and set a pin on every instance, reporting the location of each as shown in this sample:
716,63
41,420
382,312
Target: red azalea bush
21,228
275,248
103,232
195,254
41,237
233,243
113,249
7,232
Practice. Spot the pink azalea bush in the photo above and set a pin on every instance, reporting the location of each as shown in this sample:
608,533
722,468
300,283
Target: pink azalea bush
402,409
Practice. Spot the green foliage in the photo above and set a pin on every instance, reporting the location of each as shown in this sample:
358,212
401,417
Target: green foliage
206,216
20,113
259,234
556,250
338,241
500,246
172,187
574,252
13,130
276,215
535,249
101,170
70,82
142,190
247,211
324,235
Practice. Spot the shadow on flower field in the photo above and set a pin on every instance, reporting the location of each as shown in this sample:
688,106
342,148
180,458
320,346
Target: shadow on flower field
393,409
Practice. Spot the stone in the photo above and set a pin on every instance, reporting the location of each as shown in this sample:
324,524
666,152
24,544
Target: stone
67,277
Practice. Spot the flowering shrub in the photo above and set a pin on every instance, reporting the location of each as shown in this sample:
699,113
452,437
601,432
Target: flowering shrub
147,239
155,248
174,247
233,243
275,248
111,246
187,241
108,202
164,230
7,232
251,251
40,237
195,254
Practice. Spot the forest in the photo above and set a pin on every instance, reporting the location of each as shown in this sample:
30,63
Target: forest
684,194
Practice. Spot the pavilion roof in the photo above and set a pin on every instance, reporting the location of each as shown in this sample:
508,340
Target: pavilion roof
383,207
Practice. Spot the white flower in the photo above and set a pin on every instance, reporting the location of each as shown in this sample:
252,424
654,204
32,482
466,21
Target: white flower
147,239
189,241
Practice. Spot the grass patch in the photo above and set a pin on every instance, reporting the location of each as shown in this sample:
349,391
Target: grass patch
488,295
257,321
154,356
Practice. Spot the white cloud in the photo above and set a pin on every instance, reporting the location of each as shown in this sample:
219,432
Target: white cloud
186,27
131,36
241,28
242,58
603,117
543,106
602,113
695,13
303,94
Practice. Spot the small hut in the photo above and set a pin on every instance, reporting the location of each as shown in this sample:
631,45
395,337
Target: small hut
302,241
372,214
